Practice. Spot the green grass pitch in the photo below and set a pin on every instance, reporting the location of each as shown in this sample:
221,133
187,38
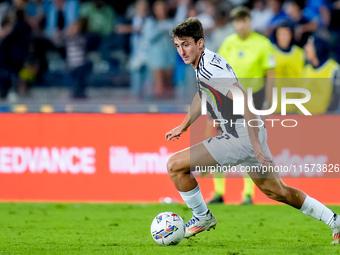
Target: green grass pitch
48,228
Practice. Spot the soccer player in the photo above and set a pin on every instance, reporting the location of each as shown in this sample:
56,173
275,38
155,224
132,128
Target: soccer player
239,144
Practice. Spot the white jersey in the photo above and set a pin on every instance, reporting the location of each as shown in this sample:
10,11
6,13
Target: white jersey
214,75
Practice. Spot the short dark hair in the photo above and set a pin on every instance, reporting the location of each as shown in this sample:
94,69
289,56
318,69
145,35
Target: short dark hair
191,27
240,12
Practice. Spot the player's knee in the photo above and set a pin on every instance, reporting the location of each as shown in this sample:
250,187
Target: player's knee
173,165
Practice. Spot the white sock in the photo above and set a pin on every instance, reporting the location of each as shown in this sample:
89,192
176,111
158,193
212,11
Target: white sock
194,200
317,210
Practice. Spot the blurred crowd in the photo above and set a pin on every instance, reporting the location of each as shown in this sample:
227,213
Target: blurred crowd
76,39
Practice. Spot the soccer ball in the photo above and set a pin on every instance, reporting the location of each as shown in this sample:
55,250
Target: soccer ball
167,228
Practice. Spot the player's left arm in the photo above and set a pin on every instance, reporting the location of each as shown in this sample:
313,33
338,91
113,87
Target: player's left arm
261,157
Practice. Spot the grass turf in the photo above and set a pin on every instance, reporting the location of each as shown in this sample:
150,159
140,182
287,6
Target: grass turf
47,228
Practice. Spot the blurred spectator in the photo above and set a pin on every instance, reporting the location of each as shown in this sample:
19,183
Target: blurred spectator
159,47
5,47
255,65
28,74
138,57
36,16
30,64
76,57
323,77
251,56
223,28
16,47
5,7
314,10
302,25
206,11
6,27
101,17
192,11
260,16
289,60
289,57
184,75
40,46
206,14
279,15
238,2
334,28
60,15
20,4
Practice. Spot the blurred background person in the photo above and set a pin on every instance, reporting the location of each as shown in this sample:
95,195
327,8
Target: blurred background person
36,16
41,44
5,49
138,58
16,49
60,14
222,29
322,77
76,57
102,20
206,11
261,14
290,61
101,17
254,65
279,15
251,67
319,12
334,29
159,47
303,26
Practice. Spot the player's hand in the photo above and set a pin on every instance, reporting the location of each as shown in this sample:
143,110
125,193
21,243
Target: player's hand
261,157
175,133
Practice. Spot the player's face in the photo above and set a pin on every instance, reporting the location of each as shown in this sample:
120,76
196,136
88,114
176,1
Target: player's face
242,26
283,37
189,51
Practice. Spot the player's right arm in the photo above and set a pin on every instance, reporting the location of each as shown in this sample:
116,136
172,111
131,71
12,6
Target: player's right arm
193,114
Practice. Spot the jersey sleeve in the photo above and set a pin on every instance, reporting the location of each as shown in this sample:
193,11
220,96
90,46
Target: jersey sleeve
223,74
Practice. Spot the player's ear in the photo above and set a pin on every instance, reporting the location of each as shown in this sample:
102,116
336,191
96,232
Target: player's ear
200,43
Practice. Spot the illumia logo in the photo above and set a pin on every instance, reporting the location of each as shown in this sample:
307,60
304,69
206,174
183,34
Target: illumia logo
238,100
